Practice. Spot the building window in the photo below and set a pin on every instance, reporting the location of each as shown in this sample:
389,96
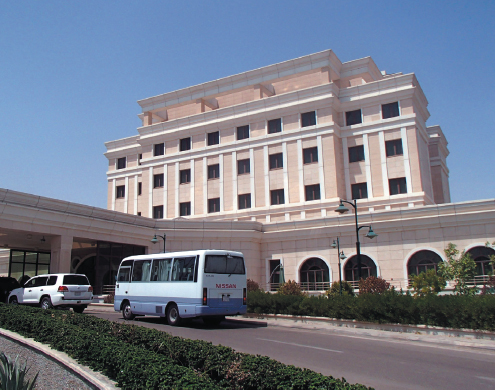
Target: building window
214,205
394,147
314,275
310,155
397,186
276,161
277,197
275,126
121,163
185,176
359,191
120,191
353,117
243,166
244,201
185,144
423,261
140,157
275,275
390,110
159,149
213,138
140,188
214,171
185,208
158,212
351,271
139,213
308,119
312,192
242,132
356,153
158,180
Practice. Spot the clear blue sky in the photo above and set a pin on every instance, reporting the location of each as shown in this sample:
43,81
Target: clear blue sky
71,73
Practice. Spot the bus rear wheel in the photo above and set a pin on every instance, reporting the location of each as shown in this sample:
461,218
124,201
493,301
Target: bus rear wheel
173,317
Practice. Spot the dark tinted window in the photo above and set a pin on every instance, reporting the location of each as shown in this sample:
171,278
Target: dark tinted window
124,274
185,144
185,208
158,212
243,166
390,110
356,153
276,161
120,191
353,117
214,205
394,147
308,119
79,280
275,126
185,176
398,186
312,192
244,201
214,171
277,197
224,265
52,281
158,180
310,155
159,149
242,132
359,191
121,162
213,138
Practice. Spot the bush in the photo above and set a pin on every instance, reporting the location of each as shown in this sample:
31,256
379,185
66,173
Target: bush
252,285
109,298
427,283
373,285
142,358
290,288
347,289
13,374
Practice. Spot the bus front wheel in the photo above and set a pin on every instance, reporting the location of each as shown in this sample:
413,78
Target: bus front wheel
173,317
127,311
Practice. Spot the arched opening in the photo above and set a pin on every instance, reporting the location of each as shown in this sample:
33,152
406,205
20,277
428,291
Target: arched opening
86,267
368,268
314,275
481,256
422,261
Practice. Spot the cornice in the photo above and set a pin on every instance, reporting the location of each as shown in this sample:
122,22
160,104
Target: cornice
241,80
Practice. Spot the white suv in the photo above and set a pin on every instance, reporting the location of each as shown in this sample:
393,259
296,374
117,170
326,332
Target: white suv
55,290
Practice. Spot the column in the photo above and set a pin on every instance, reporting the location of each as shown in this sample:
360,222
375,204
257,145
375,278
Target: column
61,252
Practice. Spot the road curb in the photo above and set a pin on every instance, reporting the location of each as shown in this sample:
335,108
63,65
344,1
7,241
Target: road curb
91,378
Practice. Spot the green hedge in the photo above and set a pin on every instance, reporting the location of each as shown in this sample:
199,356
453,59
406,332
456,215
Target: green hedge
142,358
451,311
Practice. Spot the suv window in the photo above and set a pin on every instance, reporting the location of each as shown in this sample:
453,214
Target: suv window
37,282
79,280
52,280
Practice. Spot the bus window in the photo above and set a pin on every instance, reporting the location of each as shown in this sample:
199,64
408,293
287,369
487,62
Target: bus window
124,274
215,264
183,269
141,271
161,270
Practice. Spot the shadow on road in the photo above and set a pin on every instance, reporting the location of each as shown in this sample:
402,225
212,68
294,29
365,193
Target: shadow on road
197,323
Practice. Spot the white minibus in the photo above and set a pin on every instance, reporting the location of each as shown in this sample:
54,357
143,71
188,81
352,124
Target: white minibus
205,283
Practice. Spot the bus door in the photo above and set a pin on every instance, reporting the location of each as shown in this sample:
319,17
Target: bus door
123,282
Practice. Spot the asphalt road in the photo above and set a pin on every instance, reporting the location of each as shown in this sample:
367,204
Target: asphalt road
377,360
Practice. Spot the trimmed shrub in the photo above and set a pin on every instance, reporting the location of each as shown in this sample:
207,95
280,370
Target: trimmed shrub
252,285
347,289
290,288
373,285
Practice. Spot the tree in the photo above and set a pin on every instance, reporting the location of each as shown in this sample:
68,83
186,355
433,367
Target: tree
252,285
335,289
427,283
373,285
459,269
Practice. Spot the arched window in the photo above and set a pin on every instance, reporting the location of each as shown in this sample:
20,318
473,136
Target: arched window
422,261
481,256
314,275
368,268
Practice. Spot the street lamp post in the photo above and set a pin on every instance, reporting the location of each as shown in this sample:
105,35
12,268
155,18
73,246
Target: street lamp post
154,240
341,257
371,234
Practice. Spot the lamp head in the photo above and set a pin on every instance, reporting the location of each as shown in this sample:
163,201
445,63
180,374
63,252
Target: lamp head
341,209
371,234
342,256
334,244
154,240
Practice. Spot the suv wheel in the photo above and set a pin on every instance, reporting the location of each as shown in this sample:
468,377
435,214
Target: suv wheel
13,300
46,303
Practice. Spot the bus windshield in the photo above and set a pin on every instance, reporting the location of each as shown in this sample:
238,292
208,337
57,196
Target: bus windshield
222,264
